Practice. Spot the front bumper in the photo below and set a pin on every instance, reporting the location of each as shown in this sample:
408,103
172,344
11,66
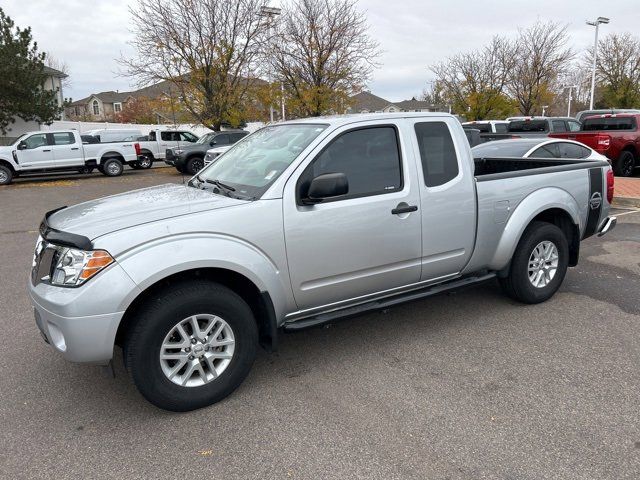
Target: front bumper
607,225
81,323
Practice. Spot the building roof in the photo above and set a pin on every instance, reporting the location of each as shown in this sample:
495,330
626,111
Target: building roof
52,72
369,102
413,104
105,97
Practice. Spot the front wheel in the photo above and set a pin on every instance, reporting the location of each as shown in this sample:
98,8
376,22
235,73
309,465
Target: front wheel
191,346
112,167
6,175
625,164
539,264
194,165
145,162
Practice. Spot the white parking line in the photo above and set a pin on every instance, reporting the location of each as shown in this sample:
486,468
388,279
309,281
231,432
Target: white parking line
626,213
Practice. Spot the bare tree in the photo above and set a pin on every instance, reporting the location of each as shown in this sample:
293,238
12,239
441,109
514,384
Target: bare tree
475,82
618,70
541,57
61,66
322,54
207,49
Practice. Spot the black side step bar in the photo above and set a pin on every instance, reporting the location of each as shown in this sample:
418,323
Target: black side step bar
383,303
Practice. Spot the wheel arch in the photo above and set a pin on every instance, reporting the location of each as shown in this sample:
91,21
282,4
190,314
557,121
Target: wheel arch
109,155
258,300
551,205
8,164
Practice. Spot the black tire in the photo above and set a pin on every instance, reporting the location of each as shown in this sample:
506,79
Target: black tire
112,167
625,164
180,169
160,315
85,170
517,284
194,165
145,162
135,165
6,175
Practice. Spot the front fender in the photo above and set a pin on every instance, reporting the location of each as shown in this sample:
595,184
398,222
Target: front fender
151,262
530,207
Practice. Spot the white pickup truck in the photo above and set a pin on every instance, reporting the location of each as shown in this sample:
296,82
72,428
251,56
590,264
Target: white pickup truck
161,140
63,150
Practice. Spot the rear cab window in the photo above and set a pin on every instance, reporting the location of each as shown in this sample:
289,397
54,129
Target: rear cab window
524,126
437,153
609,123
63,138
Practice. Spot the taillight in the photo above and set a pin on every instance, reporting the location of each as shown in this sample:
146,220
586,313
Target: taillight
610,185
603,142
137,147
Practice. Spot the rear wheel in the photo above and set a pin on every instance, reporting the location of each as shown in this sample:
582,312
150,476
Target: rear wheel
194,165
145,162
191,346
625,164
6,175
112,167
539,264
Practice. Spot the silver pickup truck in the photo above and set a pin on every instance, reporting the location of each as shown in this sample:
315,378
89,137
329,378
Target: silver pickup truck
297,225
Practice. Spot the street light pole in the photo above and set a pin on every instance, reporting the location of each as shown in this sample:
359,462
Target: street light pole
271,13
570,87
544,109
596,23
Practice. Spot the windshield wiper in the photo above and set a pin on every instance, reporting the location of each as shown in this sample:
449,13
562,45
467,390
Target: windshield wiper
217,183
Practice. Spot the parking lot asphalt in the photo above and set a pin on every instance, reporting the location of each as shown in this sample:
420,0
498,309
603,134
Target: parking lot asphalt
465,385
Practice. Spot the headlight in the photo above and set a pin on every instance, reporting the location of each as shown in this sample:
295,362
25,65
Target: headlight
178,151
73,267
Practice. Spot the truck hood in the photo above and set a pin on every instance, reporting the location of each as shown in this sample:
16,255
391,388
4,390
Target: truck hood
105,215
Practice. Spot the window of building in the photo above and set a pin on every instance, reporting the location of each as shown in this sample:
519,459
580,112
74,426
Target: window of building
96,107
369,157
437,152
117,107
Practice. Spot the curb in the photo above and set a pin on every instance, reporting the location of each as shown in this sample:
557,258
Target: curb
626,202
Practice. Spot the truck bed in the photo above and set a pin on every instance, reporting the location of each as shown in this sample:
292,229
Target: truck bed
497,168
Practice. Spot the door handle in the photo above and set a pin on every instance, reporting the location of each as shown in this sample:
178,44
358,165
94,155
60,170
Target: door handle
46,150
404,208
75,148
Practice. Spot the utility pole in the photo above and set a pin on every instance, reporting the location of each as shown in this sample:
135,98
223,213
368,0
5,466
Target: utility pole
596,23
570,87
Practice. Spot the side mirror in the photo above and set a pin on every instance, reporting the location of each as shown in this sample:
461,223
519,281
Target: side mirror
329,185
22,146
212,143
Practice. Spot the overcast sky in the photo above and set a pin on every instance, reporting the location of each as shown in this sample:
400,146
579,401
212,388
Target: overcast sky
89,35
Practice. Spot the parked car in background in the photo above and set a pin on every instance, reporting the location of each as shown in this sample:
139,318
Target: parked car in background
488,126
301,224
616,136
536,148
159,140
106,135
189,158
214,153
63,150
580,116
110,135
542,126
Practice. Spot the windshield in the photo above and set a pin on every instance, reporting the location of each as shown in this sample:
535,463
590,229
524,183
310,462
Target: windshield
523,126
205,138
256,161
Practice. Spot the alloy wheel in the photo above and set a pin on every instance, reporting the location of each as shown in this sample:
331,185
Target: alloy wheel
197,350
543,264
